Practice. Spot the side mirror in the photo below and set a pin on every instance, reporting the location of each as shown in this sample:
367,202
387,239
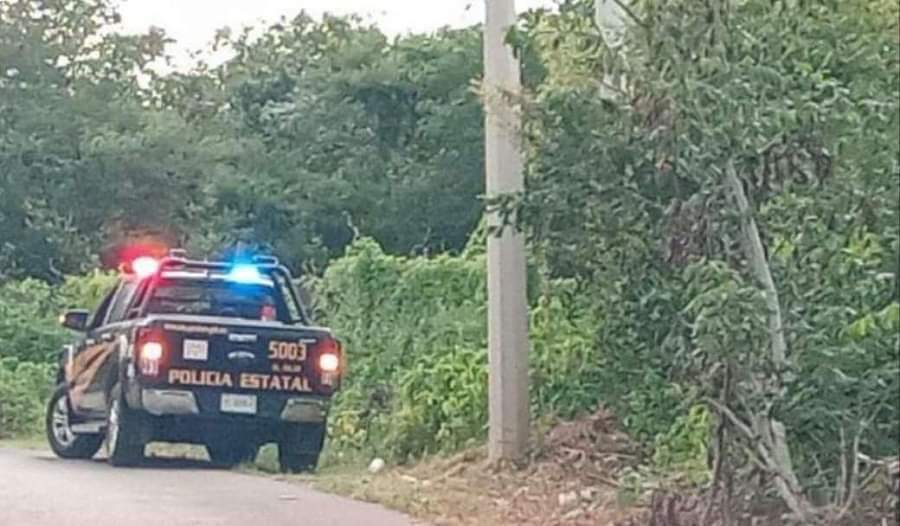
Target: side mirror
76,319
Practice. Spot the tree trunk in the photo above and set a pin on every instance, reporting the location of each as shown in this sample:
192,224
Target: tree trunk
767,428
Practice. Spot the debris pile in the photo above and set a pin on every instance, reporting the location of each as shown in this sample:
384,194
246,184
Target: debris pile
570,479
593,447
573,476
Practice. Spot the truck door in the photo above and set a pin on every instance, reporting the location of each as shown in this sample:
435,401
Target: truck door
84,352
95,366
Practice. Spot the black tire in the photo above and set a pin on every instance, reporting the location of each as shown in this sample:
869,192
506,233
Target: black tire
230,455
63,442
124,437
299,447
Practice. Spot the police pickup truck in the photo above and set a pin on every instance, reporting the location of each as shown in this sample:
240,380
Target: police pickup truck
217,354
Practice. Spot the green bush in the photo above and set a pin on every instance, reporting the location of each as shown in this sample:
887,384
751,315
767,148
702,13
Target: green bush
414,331
29,313
683,450
28,321
24,388
30,338
415,334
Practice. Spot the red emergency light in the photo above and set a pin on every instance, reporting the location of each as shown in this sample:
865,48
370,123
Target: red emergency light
142,259
144,267
140,267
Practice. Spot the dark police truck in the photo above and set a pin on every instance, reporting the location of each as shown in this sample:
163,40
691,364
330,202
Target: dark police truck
211,353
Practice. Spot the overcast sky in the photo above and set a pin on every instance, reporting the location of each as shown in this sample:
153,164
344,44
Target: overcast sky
193,22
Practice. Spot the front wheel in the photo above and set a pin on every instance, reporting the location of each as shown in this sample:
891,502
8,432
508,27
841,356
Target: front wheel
299,447
124,441
63,441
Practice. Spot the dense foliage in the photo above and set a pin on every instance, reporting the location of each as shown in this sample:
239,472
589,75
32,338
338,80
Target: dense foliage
313,131
415,333
643,144
30,341
24,389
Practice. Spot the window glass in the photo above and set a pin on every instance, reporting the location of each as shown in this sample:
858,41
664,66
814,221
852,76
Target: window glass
293,309
121,302
215,298
100,313
139,295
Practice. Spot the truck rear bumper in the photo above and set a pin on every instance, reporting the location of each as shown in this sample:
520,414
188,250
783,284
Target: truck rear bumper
159,402
178,402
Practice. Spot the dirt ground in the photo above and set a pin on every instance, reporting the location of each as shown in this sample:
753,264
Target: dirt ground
570,479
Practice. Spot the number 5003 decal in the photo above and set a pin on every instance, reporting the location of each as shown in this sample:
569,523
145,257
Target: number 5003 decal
288,351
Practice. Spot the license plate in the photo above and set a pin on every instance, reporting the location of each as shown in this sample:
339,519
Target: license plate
237,403
196,350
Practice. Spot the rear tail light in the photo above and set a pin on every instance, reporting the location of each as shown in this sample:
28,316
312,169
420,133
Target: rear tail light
329,355
329,362
151,351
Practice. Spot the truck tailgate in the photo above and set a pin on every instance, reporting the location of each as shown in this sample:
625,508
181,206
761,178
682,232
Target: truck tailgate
236,355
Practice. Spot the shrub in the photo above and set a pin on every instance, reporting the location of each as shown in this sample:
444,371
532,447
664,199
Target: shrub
29,310
415,334
24,388
30,338
683,449
28,327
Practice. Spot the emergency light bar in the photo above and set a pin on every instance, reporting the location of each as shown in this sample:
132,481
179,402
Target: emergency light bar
242,272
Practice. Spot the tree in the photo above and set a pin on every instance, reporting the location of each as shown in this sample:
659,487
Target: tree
72,125
664,171
361,133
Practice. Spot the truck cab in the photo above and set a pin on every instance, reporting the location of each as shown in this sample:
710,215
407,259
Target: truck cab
220,354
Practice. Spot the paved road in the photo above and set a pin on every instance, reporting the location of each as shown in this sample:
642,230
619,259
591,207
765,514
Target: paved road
37,489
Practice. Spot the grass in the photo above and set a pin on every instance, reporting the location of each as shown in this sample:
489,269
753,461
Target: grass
390,488
435,489
348,476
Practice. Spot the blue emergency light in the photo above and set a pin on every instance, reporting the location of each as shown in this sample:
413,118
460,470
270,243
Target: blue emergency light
244,273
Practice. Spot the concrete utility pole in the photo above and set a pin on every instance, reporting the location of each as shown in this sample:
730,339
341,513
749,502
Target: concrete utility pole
507,302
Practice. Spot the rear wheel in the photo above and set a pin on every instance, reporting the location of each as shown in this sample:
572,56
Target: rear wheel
63,441
124,440
299,447
230,455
